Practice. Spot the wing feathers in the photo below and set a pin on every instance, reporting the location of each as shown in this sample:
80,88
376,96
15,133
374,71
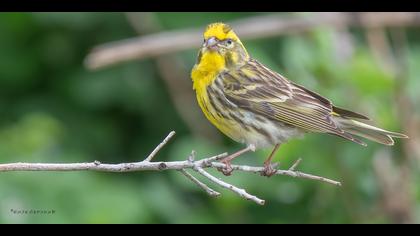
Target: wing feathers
349,114
259,90
268,93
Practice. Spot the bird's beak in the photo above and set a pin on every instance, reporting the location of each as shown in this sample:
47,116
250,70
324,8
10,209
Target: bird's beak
211,43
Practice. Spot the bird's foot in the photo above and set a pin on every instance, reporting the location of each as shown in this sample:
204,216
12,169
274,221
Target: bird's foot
269,169
227,170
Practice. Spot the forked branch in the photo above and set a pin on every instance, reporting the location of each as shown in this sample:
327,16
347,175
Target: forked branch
182,166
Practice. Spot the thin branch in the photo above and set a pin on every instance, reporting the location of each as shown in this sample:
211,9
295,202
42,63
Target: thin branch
200,184
147,165
153,45
210,160
150,166
297,162
291,173
241,192
163,143
307,176
160,166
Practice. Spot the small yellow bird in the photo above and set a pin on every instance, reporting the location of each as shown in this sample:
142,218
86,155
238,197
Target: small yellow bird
256,106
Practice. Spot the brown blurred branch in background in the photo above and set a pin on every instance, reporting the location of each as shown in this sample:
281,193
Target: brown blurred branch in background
409,120
395,177
156,44
394,185
381,49
190,163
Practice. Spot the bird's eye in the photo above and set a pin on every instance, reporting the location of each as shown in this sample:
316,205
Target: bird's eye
229,41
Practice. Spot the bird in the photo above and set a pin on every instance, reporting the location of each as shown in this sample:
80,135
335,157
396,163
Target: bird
258,107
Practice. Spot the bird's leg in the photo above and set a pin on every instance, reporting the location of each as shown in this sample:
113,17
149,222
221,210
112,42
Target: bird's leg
227,160
268,166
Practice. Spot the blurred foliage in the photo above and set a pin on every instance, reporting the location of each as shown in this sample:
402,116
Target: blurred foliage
54,110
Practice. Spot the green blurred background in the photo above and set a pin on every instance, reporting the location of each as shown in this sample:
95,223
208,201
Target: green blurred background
54,109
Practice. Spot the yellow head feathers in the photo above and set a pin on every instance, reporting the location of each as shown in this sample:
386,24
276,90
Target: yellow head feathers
221,31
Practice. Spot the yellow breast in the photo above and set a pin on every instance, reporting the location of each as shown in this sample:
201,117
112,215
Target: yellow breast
203,75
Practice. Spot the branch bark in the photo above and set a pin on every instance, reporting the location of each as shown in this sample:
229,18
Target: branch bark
200,184
189,163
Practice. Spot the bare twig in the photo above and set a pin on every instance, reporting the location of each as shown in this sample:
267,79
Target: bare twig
297,162
307,176
251,28
190,163
239,191
209,160
149,166
200,184
163,143
291,173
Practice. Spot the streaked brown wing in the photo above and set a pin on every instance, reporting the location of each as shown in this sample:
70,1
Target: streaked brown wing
260,90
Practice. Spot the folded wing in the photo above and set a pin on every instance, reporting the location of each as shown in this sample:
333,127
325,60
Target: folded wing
260,90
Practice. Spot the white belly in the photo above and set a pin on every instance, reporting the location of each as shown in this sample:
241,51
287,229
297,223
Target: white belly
266,133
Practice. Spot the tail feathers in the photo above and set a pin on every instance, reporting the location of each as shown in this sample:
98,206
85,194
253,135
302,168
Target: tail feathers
368,131
350,137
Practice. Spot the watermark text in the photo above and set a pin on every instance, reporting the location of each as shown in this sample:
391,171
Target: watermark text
32,211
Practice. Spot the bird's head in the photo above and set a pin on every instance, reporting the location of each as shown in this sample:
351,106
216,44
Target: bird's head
221,41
